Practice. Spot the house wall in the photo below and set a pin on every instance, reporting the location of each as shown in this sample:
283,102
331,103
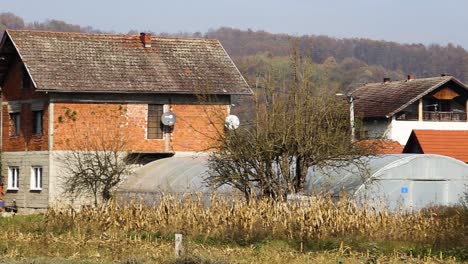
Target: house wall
76,124
25,150
73,120
25,160
17,98
376,129
401,130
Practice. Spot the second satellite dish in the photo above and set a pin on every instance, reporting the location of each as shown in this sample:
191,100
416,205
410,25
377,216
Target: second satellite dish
168,118
232,122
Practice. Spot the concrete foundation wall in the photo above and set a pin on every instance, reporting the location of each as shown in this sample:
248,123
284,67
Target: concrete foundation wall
24,196
57,195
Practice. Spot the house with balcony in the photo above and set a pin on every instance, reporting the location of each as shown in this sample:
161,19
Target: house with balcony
393,109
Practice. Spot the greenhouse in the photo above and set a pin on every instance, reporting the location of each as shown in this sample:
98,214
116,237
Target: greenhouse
178,175
409,181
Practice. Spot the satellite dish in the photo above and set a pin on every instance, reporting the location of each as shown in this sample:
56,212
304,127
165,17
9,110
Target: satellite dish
168,118
232,122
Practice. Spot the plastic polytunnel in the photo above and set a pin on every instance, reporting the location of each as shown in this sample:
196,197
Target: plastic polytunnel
409,181
178,175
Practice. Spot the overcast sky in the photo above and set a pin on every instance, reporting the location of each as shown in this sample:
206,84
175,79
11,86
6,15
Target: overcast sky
408,21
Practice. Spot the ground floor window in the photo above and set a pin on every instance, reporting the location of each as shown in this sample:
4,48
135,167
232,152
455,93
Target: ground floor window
36,178
13,178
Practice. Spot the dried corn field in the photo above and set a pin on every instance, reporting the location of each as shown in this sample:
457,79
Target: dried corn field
237,220
318,230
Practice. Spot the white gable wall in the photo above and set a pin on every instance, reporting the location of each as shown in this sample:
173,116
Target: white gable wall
401,130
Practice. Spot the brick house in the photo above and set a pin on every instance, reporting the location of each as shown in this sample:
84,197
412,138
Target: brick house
60,88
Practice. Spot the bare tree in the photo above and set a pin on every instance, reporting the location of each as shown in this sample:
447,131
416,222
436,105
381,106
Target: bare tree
94,167
295,126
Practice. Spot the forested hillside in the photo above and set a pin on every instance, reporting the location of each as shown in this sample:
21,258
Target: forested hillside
405,58
330,62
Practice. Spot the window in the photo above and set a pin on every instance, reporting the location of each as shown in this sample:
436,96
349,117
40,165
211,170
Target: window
155,127
15,124
37,123
36,178
13,178
25,81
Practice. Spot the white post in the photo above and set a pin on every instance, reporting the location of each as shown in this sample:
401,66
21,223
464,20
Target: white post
178,245
351,118
420,110
466,110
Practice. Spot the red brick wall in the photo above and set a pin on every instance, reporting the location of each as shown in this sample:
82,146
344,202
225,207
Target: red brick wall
86,123
11,91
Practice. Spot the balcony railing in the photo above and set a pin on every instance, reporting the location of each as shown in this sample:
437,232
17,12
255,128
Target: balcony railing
408,116
433,116
444,116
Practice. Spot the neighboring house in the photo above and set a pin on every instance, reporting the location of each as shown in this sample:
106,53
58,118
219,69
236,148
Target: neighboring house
443,142
61,89
391,110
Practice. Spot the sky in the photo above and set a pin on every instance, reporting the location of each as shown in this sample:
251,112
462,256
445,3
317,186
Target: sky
405,21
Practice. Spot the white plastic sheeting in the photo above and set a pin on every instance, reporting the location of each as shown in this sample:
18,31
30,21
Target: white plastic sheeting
408,180
178,175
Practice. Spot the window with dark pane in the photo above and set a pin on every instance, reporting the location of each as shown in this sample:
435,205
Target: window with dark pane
14,124
25,80
155,127
37,123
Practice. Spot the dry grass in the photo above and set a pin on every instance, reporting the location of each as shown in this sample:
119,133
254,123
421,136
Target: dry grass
236,232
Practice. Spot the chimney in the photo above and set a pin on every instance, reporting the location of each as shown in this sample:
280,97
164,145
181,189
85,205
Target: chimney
411,77
386,80
145,39
445,74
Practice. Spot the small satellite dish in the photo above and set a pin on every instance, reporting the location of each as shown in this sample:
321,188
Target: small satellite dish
232,122
168,118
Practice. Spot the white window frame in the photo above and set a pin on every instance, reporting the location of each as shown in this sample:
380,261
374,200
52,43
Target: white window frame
13,178
36,178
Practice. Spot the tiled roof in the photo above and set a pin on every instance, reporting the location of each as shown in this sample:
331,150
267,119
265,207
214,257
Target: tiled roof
386,99
120,63
453,143
383,146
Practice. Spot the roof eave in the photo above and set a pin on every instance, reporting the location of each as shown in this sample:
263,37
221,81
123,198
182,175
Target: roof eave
237,69
425,93
20,56
144,92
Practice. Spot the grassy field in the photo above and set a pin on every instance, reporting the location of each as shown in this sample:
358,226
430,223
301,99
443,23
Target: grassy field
235,232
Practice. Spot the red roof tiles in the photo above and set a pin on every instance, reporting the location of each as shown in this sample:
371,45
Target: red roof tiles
452,143
383,146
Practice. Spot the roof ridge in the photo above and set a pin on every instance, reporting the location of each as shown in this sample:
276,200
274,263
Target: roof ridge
106,34
413,80
441,130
